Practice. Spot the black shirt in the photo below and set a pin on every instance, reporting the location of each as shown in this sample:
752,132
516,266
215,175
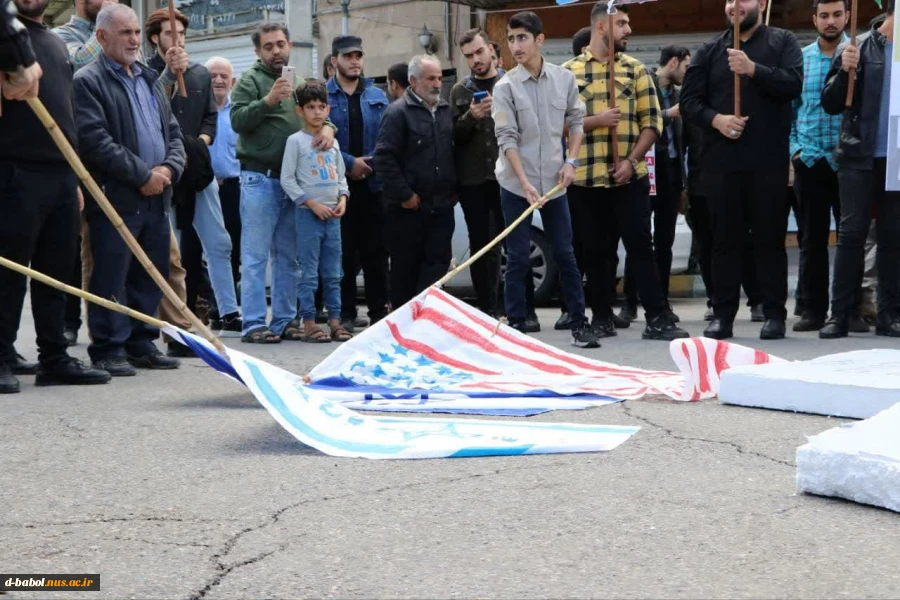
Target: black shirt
765,98
356,124
484,85
22,136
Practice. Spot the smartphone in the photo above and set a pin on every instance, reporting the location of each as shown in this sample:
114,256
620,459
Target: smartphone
289,73
477,97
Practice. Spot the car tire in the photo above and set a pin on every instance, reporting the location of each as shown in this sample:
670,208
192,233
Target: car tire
543,267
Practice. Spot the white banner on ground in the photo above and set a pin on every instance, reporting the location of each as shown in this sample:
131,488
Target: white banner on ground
893,156
858,462
856,384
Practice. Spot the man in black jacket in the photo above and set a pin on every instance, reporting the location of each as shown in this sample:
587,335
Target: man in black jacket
40,215
414,156
745,169
132,144
198,210
861,156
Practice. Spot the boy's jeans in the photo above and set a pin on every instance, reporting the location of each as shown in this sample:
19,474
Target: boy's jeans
319,249
267,219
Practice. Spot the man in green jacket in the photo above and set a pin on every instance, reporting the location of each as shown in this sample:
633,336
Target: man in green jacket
263,114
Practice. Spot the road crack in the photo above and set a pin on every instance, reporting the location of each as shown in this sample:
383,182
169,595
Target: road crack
671,433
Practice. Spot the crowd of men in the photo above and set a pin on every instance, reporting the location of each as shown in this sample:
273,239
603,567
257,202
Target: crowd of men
195,162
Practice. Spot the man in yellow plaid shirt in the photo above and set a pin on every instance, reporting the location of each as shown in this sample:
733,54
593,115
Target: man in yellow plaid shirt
611,200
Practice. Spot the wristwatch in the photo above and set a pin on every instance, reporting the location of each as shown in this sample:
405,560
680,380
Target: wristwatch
573,162
634,163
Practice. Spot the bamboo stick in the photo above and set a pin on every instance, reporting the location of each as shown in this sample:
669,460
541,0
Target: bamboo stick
114,306
611,85
851,87
496,240
174,29
737,47
41,111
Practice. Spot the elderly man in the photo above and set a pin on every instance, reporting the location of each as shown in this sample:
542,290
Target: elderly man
133,146
40,215
414,157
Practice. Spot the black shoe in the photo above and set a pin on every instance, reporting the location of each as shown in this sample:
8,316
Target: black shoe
71,336
532,325
809,322
215,324
348,325
360,323
154,360
887,324
757,314
8,382
628,313
179,350
70,371
856,324
562,323
584,337
603,327
774,329
22,367
322,317
116,366
619,322
520,327
662,328
718,329
709,315
671,314
231,326
835,327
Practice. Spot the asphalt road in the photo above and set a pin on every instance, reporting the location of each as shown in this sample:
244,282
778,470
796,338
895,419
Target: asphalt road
179,485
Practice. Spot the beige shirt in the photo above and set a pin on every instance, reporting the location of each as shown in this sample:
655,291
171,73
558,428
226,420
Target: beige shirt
531,114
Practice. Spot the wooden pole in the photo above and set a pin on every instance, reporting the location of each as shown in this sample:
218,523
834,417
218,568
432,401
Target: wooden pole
174,29
851,87
41,111
769,11
611,86
114,306
496,240
737,46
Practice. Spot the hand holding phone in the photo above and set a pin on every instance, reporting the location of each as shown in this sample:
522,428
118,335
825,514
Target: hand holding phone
477,97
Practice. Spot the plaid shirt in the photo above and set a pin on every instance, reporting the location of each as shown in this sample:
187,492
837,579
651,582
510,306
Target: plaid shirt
814,133
635,97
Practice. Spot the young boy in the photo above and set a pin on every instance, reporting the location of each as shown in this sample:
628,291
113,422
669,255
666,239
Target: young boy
315,181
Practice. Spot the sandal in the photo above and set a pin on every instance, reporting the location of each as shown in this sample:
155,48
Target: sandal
293,332
313,334
339,333
261,335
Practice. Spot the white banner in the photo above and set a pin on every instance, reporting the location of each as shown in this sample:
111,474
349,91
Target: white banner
650,159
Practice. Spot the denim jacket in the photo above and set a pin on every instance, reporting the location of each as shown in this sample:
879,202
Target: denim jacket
373,104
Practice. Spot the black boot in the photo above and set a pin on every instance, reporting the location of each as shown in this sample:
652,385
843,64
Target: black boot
757,314
774,329
718,329
835,327
70,371
628,313
663,328
562,323
8,382
809,321
887,324
856,324
20,366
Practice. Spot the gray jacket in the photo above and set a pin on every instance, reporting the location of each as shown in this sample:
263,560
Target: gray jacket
107,138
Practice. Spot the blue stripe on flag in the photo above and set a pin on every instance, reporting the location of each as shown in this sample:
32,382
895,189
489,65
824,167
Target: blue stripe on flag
212,358
477,452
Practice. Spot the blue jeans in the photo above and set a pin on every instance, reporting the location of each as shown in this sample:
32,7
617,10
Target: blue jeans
558,231
267,220
319,249
210,227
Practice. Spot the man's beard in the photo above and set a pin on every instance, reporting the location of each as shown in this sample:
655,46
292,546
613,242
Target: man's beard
345,74
34,11
277,63
830,37
620,45
750,19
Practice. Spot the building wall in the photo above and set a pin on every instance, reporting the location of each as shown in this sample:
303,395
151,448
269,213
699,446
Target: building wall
390,30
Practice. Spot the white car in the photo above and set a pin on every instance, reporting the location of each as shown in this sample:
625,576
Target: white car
543,267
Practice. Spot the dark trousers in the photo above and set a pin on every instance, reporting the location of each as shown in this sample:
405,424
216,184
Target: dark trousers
604,215
665,216
73,303
230,197
119,276
419,242
577,246
701,222
484,221
362,245
558,231
754,200
860,192
196,281
39,226
818,197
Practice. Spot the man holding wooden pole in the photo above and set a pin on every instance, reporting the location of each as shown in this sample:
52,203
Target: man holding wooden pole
746,147
132,144
40,215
